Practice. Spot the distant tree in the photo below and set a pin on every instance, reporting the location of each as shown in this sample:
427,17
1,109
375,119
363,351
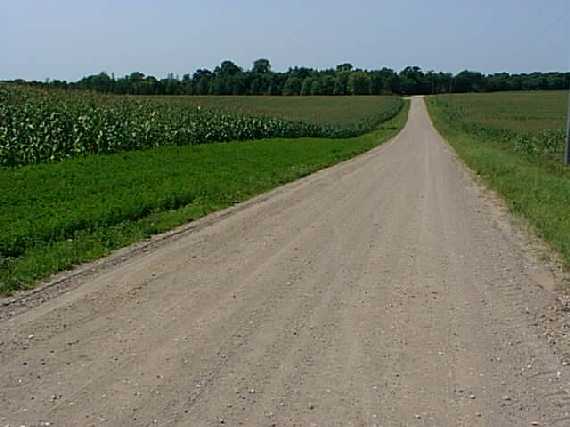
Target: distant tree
391,80
300,72
442,82
201,72
201,81
340,84
412,81
316,88
227,68
556,82
278,83
223,79
307,86
376,83
408,86
468,81
237,84
136,77
260,84
261,66
187,87
292,86
327,84
344,68
100,82
515,82
203,86
60,84
498,81
217,86
358,83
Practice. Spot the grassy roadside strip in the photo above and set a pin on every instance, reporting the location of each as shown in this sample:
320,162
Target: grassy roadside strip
55,216
537,190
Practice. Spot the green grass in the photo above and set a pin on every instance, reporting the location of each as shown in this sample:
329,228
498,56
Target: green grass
321,110
54,216
535,187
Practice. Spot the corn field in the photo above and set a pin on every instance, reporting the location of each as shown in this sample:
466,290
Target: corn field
50,125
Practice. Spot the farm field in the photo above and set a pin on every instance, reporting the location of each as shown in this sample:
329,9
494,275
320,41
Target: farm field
320,110
56,214
515,141
515,111
51,125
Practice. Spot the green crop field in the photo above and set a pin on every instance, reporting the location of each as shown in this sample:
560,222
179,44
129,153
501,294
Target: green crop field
56,214
321,110
515,141
527,122
38,125
516,111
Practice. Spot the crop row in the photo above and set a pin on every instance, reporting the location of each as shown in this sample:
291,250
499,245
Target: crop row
38,126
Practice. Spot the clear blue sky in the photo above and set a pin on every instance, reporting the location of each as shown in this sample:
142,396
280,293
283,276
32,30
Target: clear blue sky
67,39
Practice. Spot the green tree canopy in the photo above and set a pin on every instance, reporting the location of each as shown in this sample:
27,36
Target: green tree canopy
358,83
261,66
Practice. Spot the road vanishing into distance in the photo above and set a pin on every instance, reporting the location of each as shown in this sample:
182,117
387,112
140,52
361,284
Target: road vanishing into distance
389,290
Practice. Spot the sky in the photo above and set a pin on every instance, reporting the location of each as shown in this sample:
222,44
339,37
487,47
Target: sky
69,39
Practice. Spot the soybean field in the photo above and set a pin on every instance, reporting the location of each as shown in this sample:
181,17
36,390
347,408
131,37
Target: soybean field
532,123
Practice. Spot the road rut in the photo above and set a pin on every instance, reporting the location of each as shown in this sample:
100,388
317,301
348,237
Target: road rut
388,290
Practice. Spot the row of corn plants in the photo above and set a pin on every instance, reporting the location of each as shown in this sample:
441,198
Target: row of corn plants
39,126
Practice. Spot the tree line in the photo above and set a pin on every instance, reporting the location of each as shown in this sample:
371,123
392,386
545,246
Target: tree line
231,79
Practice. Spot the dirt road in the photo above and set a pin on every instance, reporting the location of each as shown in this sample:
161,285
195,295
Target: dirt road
388,290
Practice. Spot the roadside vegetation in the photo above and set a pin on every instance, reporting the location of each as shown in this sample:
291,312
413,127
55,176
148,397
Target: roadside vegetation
57,214
515,141
38,125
